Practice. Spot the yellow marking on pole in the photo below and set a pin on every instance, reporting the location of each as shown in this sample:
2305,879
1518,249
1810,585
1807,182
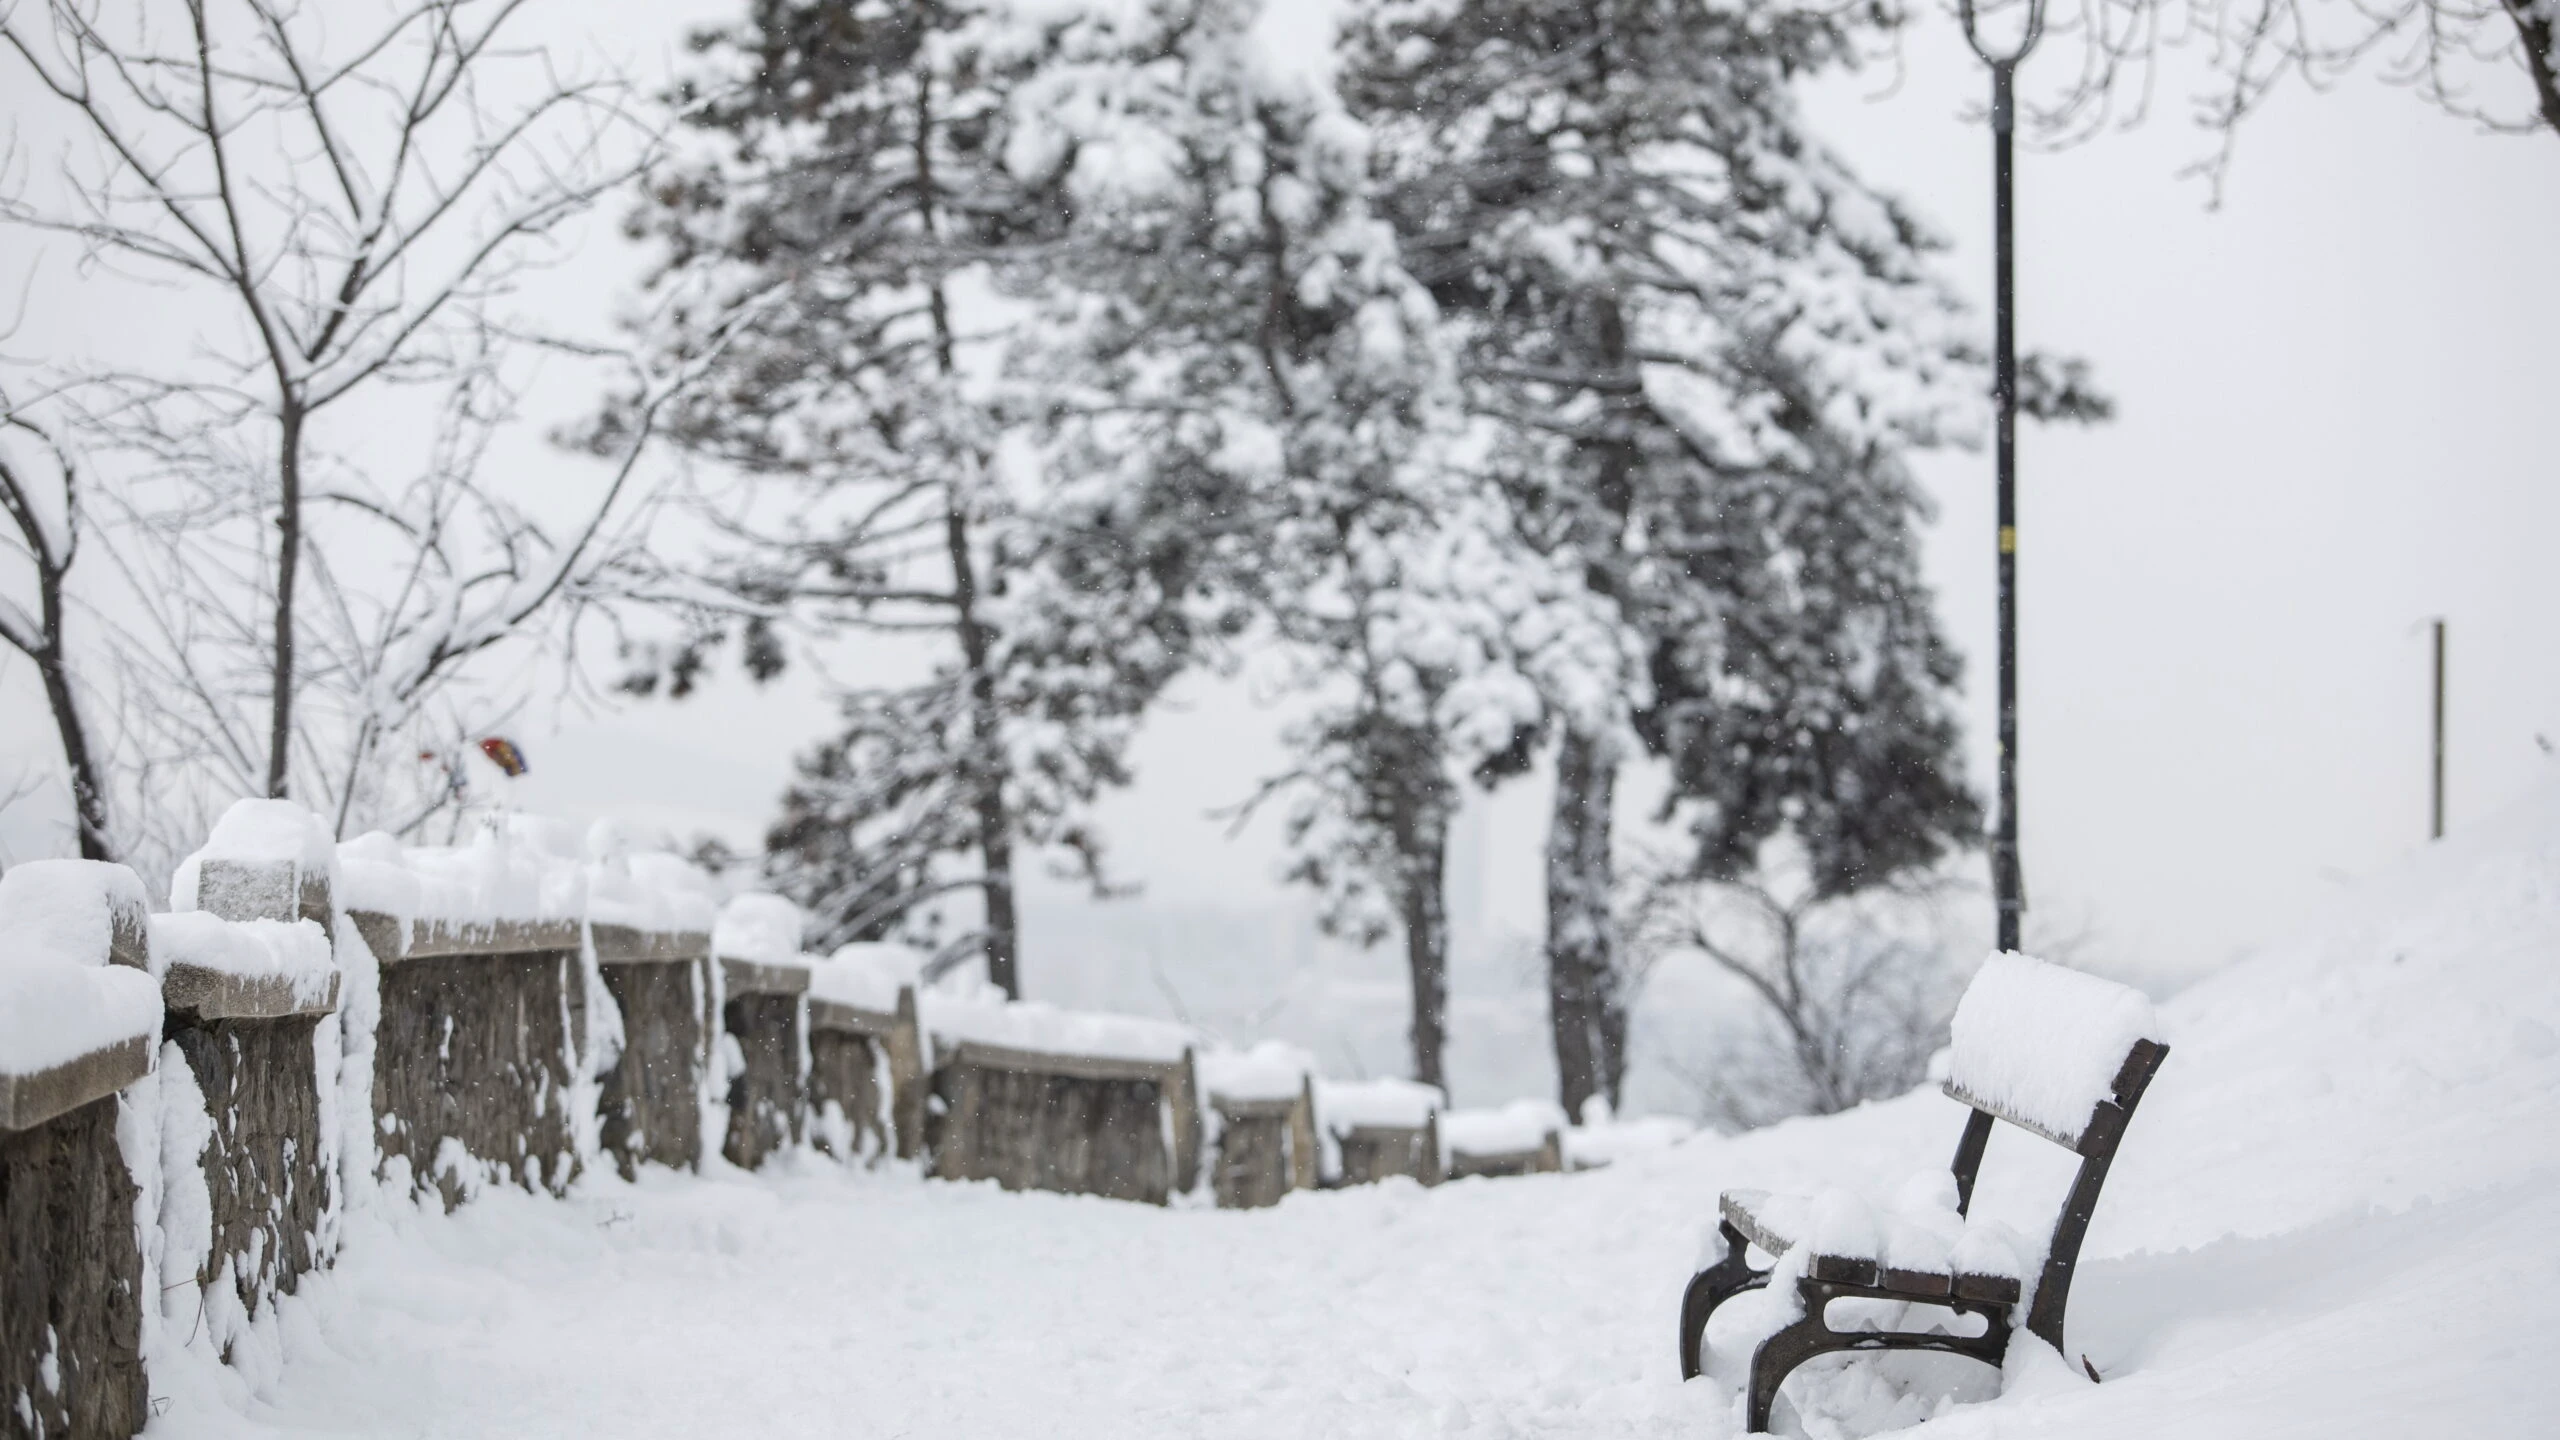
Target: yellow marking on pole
2008,539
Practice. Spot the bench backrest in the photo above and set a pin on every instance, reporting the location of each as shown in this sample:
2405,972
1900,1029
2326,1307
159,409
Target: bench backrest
2062,1055
2044,1048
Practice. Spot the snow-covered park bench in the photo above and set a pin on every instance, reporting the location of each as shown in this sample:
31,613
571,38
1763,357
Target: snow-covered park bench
2061,1055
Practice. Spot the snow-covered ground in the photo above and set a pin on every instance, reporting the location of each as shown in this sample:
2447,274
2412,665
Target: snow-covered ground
2338,1214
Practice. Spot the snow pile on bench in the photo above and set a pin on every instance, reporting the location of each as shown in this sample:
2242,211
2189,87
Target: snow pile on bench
1376,1104
982,1014
1272,1070
60,998
1920,1231
1521,1126
2042,1044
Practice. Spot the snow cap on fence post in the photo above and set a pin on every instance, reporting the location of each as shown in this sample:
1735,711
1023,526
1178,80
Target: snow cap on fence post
759,926
248,935
78,907
265,860
79,1017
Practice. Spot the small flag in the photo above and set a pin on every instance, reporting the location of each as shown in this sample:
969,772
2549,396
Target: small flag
504,754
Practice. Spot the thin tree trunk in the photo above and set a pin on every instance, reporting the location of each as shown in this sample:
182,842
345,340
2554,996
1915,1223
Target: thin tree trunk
1426,947
1586,1011
2538,28
986,717
1583,1006
986,779
50,652
288,568
88,795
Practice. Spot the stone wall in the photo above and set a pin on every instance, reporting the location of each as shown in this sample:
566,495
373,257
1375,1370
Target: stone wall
1548,1158
1371,1153
480,1053
477,1049
1266,1148
266,1172
651,1099
846,1116
867,1086
1074,1124
763,1011
70,1281
254,1050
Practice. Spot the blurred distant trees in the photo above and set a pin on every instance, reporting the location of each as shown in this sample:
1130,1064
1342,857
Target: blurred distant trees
1528,384
1708,347
872,185
1537,386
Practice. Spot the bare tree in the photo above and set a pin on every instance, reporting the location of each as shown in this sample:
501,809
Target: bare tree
1853,990
349,207
44,502
2443,49
410,578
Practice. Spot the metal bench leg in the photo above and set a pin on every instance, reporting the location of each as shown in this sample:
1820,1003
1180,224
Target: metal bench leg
1710,1288
1781,1353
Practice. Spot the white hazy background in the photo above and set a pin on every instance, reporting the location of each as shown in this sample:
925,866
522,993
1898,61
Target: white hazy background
2339,417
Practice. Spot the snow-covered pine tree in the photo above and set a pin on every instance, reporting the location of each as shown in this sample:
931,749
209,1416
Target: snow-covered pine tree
1712,344
1240,325
866,188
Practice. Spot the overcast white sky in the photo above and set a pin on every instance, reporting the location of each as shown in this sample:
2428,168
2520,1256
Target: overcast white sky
2340,411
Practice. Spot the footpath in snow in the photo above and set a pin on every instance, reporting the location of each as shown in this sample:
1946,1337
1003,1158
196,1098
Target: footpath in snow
2337,1215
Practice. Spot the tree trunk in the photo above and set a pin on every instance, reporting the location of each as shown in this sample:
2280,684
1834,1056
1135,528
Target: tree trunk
50,651
288,567
1426,947
1583,1006
88,794
88,797
2538,28
986,763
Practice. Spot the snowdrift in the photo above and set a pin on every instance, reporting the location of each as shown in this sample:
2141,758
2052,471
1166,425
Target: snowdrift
2334,1217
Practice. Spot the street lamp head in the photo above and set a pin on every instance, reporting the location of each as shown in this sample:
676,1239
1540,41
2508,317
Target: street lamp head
1999,59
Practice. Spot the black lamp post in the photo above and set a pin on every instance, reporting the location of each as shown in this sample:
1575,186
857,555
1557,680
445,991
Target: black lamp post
2008,882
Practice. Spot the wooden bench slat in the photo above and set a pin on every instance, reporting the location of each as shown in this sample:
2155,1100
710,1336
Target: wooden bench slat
1738,1210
